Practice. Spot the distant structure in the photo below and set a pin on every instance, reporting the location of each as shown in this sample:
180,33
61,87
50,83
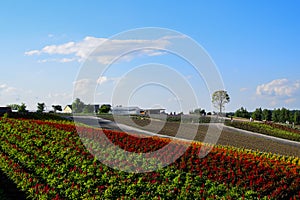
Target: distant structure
4,110
125,110
67,109
154,111
134,110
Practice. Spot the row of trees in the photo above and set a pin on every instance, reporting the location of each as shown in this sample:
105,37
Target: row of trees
198,111
40,107
282,115
77,107
80,107
19,108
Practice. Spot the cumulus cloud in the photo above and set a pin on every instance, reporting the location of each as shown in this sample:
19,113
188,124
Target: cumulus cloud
83,85
279,92
109,50
32,52
102,79
278,87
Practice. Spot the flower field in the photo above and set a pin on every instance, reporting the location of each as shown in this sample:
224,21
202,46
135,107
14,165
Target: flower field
48,160
268,128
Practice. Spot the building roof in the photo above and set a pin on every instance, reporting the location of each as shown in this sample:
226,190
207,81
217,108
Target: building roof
126,108
70,106
150,109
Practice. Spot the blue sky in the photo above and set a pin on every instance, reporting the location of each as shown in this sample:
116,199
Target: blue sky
254,44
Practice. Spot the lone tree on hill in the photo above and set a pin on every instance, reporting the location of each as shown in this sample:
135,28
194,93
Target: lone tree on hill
219,99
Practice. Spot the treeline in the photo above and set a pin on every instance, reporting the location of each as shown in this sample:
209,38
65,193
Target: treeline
79,106
282,115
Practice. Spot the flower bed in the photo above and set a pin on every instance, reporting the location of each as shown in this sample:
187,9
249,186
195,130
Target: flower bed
267,129
47,160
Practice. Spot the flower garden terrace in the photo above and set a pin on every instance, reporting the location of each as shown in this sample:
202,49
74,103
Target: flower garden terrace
48,160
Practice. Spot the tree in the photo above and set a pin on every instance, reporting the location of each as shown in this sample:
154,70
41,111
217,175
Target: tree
297,117
219,99
56,108
276,115
257,114
267,115
242,112
105,108
13,106
40,107
198,111
284,115
77,106
22,108
88,108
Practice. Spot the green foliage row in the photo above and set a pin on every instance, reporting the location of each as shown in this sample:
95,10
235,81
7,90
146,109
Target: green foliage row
189,119
79,106
277,115
264,129
37,116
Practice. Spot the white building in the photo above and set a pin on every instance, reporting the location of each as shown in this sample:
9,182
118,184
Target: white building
126,110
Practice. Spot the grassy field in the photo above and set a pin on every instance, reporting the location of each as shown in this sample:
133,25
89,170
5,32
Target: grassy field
227,137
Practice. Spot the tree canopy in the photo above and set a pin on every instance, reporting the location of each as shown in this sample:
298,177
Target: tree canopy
77,106
56,108
105,108
242,112
40,107
219,99
198,111
22,108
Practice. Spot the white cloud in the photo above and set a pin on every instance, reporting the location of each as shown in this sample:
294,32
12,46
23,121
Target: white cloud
32,52
108,51
243,89
102,79
290,100
279,92
61,60
278,87
105,79
4,88
83,84
62,99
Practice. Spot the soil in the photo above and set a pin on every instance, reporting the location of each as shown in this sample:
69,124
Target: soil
227,136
